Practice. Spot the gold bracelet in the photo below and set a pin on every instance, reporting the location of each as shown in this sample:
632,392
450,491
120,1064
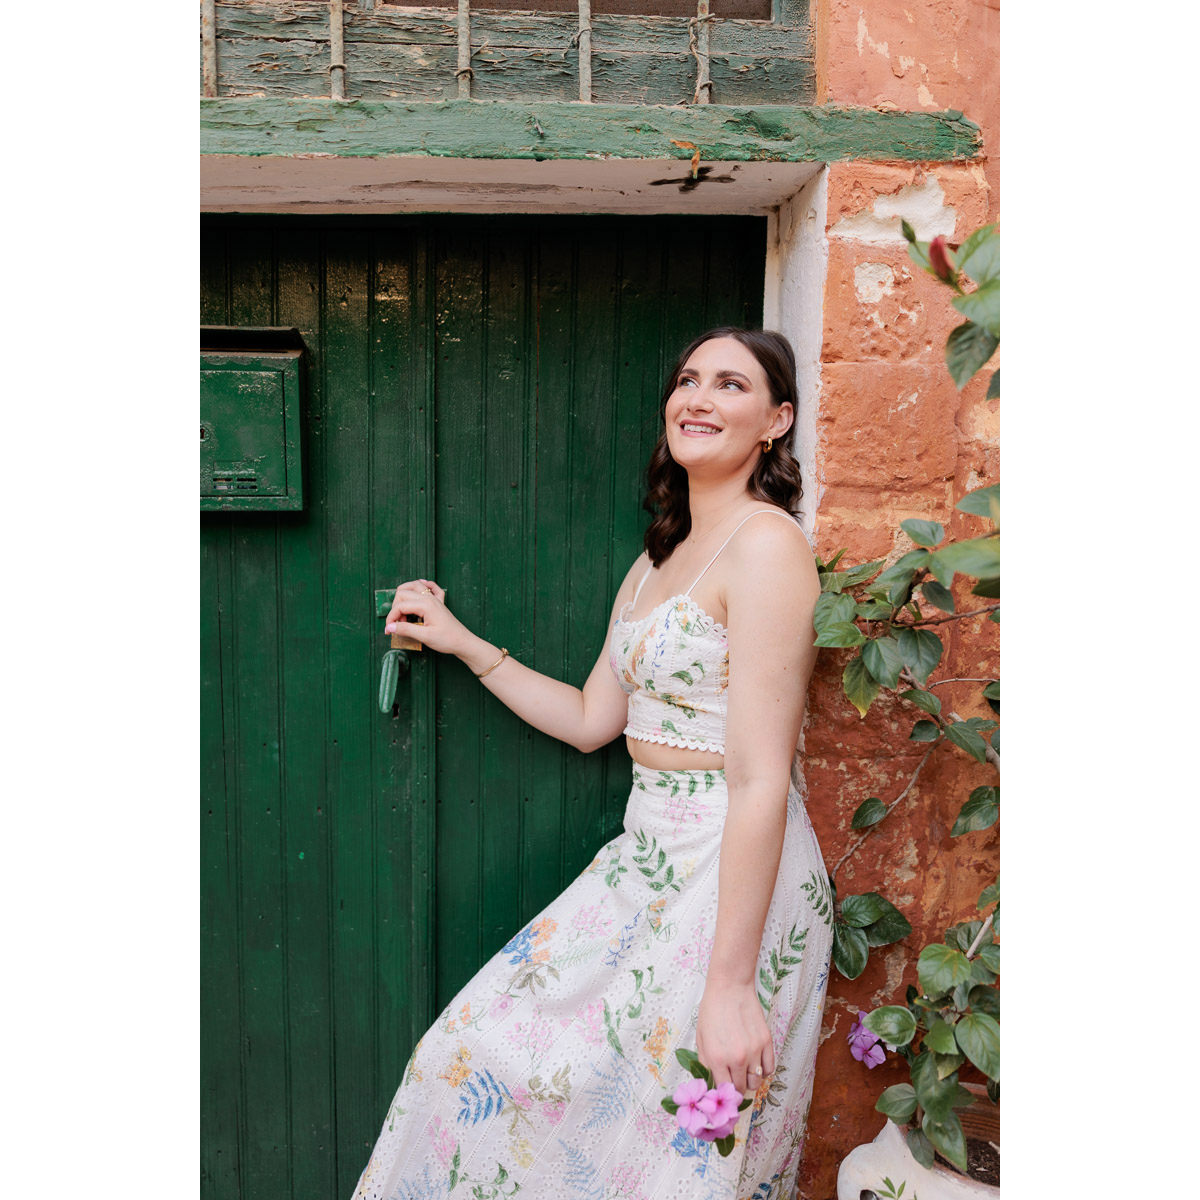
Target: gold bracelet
503,656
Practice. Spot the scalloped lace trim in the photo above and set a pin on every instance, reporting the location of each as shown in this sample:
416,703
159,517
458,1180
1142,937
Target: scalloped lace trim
663,739
712,624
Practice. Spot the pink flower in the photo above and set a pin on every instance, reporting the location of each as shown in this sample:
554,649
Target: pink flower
865,1045
553,1110
707,1113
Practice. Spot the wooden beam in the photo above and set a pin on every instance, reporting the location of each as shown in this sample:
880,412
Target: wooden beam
553,130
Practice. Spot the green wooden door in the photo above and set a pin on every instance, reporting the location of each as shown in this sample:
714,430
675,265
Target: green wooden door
481,400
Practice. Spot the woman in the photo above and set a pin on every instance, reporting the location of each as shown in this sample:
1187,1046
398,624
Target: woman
545,1075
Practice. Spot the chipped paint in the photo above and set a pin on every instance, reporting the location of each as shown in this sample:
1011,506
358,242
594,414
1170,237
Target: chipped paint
873,281
922,204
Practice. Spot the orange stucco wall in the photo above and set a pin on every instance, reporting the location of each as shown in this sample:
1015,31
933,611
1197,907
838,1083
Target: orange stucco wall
895,439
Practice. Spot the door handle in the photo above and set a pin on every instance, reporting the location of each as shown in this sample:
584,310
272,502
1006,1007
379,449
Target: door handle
394,661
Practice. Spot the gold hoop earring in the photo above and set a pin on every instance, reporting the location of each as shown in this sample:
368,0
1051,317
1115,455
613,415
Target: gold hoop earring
768,444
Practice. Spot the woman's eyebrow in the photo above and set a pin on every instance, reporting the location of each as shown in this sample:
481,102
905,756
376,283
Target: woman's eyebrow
692,373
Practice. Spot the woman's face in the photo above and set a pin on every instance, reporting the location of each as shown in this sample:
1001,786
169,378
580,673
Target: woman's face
721,410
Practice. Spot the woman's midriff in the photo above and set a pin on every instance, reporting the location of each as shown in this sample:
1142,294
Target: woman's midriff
658,757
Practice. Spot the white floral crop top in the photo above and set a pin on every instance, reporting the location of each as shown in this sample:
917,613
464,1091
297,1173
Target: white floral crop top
673,663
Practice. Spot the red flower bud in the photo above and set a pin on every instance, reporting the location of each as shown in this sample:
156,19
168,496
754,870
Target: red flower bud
939,260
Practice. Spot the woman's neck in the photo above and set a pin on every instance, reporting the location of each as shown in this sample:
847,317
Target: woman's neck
711,503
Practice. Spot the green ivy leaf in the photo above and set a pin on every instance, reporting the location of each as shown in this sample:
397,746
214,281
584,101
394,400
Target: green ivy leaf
981,811
989,895
893,926
968,348
924,533
993,385
940,1038
899,1102
982,306
849,950
894,1024
858,685
924,731
989,955
947,1137
982,502
840,634
978,1035
978,557
926,701
832,608
991,691
874,610
868,813
883,659
979,255
938,595
861,911
963,736
941,968
921,651
861,573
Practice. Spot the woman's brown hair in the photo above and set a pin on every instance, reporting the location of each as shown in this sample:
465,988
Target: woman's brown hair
776,475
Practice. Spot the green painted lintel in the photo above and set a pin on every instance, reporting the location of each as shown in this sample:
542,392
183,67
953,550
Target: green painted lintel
556,130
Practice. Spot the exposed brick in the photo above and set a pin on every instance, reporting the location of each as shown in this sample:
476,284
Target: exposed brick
886,425
880,305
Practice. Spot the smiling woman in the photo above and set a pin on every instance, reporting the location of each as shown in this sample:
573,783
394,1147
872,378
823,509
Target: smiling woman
698,925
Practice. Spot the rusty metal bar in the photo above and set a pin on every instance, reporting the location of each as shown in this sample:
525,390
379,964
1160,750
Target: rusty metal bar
699,42
464,74
584,37
337,52
208,45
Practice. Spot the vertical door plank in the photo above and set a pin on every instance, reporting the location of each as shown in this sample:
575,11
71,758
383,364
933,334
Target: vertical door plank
542,850
255,582
401,548
506,392
222,1111
307,862
461,386
352,684
590,426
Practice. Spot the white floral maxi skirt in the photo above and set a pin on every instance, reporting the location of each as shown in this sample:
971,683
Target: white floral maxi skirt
544,1077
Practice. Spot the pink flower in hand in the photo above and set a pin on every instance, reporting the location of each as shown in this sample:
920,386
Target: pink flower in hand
721,1107
689,1095
707,1113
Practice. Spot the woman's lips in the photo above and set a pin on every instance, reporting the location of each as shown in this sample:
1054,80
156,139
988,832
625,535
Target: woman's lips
698,428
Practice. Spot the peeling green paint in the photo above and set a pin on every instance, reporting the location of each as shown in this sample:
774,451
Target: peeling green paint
511,129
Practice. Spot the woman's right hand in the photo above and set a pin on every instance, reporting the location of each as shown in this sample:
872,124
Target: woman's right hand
439,629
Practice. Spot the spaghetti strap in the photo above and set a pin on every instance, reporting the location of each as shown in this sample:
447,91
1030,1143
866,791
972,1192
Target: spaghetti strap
638,590
729,539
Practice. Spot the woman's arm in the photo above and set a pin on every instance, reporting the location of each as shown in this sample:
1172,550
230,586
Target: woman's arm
586,718
770,598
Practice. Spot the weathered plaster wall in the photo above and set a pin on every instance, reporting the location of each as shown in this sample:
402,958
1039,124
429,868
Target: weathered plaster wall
894,440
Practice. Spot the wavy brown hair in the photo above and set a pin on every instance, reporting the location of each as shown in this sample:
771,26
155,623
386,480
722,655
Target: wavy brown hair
776,475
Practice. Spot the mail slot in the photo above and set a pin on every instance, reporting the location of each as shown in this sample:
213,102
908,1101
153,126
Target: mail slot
250,429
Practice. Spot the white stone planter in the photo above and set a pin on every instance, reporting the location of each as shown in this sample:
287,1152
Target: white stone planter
865,1167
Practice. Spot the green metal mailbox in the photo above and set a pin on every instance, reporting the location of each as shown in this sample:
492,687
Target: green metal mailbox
250,429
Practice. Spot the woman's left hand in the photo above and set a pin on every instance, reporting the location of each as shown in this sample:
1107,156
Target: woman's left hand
732,1038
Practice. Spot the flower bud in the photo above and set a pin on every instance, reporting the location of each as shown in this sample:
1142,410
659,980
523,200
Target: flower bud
939,260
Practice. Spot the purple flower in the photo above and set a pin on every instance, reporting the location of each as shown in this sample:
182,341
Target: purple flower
865,1045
